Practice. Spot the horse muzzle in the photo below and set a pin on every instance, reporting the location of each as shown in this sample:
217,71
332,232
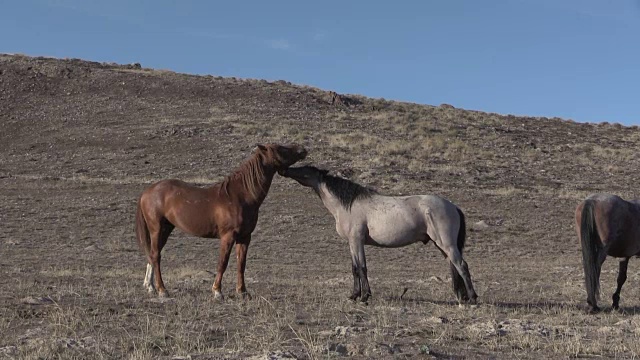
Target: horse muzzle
283,172
302,153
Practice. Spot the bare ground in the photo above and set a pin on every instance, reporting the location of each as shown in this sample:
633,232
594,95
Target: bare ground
80,141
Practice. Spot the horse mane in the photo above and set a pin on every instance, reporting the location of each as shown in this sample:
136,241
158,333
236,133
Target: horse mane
347,191
248,174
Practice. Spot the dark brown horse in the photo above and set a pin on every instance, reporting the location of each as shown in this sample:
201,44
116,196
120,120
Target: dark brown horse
607,225
227,210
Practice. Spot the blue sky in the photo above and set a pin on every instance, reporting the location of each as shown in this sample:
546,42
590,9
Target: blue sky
576,59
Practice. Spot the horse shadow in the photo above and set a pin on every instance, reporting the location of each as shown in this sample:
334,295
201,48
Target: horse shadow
543,305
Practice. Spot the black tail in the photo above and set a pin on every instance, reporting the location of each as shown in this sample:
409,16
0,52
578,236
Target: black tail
590,251
458,283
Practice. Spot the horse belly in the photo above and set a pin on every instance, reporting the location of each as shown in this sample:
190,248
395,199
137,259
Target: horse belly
624,246
394,231
194,221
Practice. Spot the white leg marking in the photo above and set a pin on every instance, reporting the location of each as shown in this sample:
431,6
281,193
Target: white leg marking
217,295
146,277
149,279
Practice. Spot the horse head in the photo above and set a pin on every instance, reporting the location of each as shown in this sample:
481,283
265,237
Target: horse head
309,176
282,156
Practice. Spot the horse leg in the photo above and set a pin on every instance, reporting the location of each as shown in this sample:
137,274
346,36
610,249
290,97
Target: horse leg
149,280
364,280
457,282
449,247
226,244
158,241
359,269
353,249
455,257
362,273
622,277
242,246
356,279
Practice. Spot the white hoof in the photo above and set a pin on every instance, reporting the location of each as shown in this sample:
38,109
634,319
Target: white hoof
217,295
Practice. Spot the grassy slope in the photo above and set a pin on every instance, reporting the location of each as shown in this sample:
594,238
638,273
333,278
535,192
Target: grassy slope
80,140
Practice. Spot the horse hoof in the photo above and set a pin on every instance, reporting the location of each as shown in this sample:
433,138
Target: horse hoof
217,295
473,301
593,310
163,294
245,295
354,297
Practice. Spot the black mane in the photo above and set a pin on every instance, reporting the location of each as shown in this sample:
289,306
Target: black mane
346,190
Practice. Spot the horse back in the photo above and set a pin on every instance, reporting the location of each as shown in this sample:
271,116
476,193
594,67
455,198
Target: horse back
616,221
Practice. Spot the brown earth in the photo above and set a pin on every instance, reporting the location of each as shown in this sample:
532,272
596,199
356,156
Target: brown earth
80,140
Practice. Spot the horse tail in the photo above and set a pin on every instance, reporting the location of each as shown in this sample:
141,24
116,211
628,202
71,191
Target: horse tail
458,283
590,249
142,232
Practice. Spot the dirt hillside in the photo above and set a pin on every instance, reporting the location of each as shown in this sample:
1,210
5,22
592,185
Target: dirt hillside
80,140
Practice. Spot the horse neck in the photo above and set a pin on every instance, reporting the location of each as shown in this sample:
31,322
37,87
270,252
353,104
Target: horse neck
330,201
258,181
264,183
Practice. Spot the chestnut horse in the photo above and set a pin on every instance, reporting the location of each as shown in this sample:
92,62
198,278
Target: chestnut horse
607,225
364,217
227,210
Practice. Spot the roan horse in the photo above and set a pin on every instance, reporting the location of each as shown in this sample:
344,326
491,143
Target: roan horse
607,225
227,210
364,217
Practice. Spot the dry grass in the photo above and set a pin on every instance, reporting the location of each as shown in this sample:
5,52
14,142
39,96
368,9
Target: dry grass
68,187
308,322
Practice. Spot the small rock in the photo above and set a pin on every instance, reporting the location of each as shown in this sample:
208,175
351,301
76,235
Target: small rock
480,225
390,349
274,355
435,279
487,329
437,320
339,349
161,300
625,322
354,350
32,300
9,350
609,330
347,330
91,248
32,336
325,333
522,327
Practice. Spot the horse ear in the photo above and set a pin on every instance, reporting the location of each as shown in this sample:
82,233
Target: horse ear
260,146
